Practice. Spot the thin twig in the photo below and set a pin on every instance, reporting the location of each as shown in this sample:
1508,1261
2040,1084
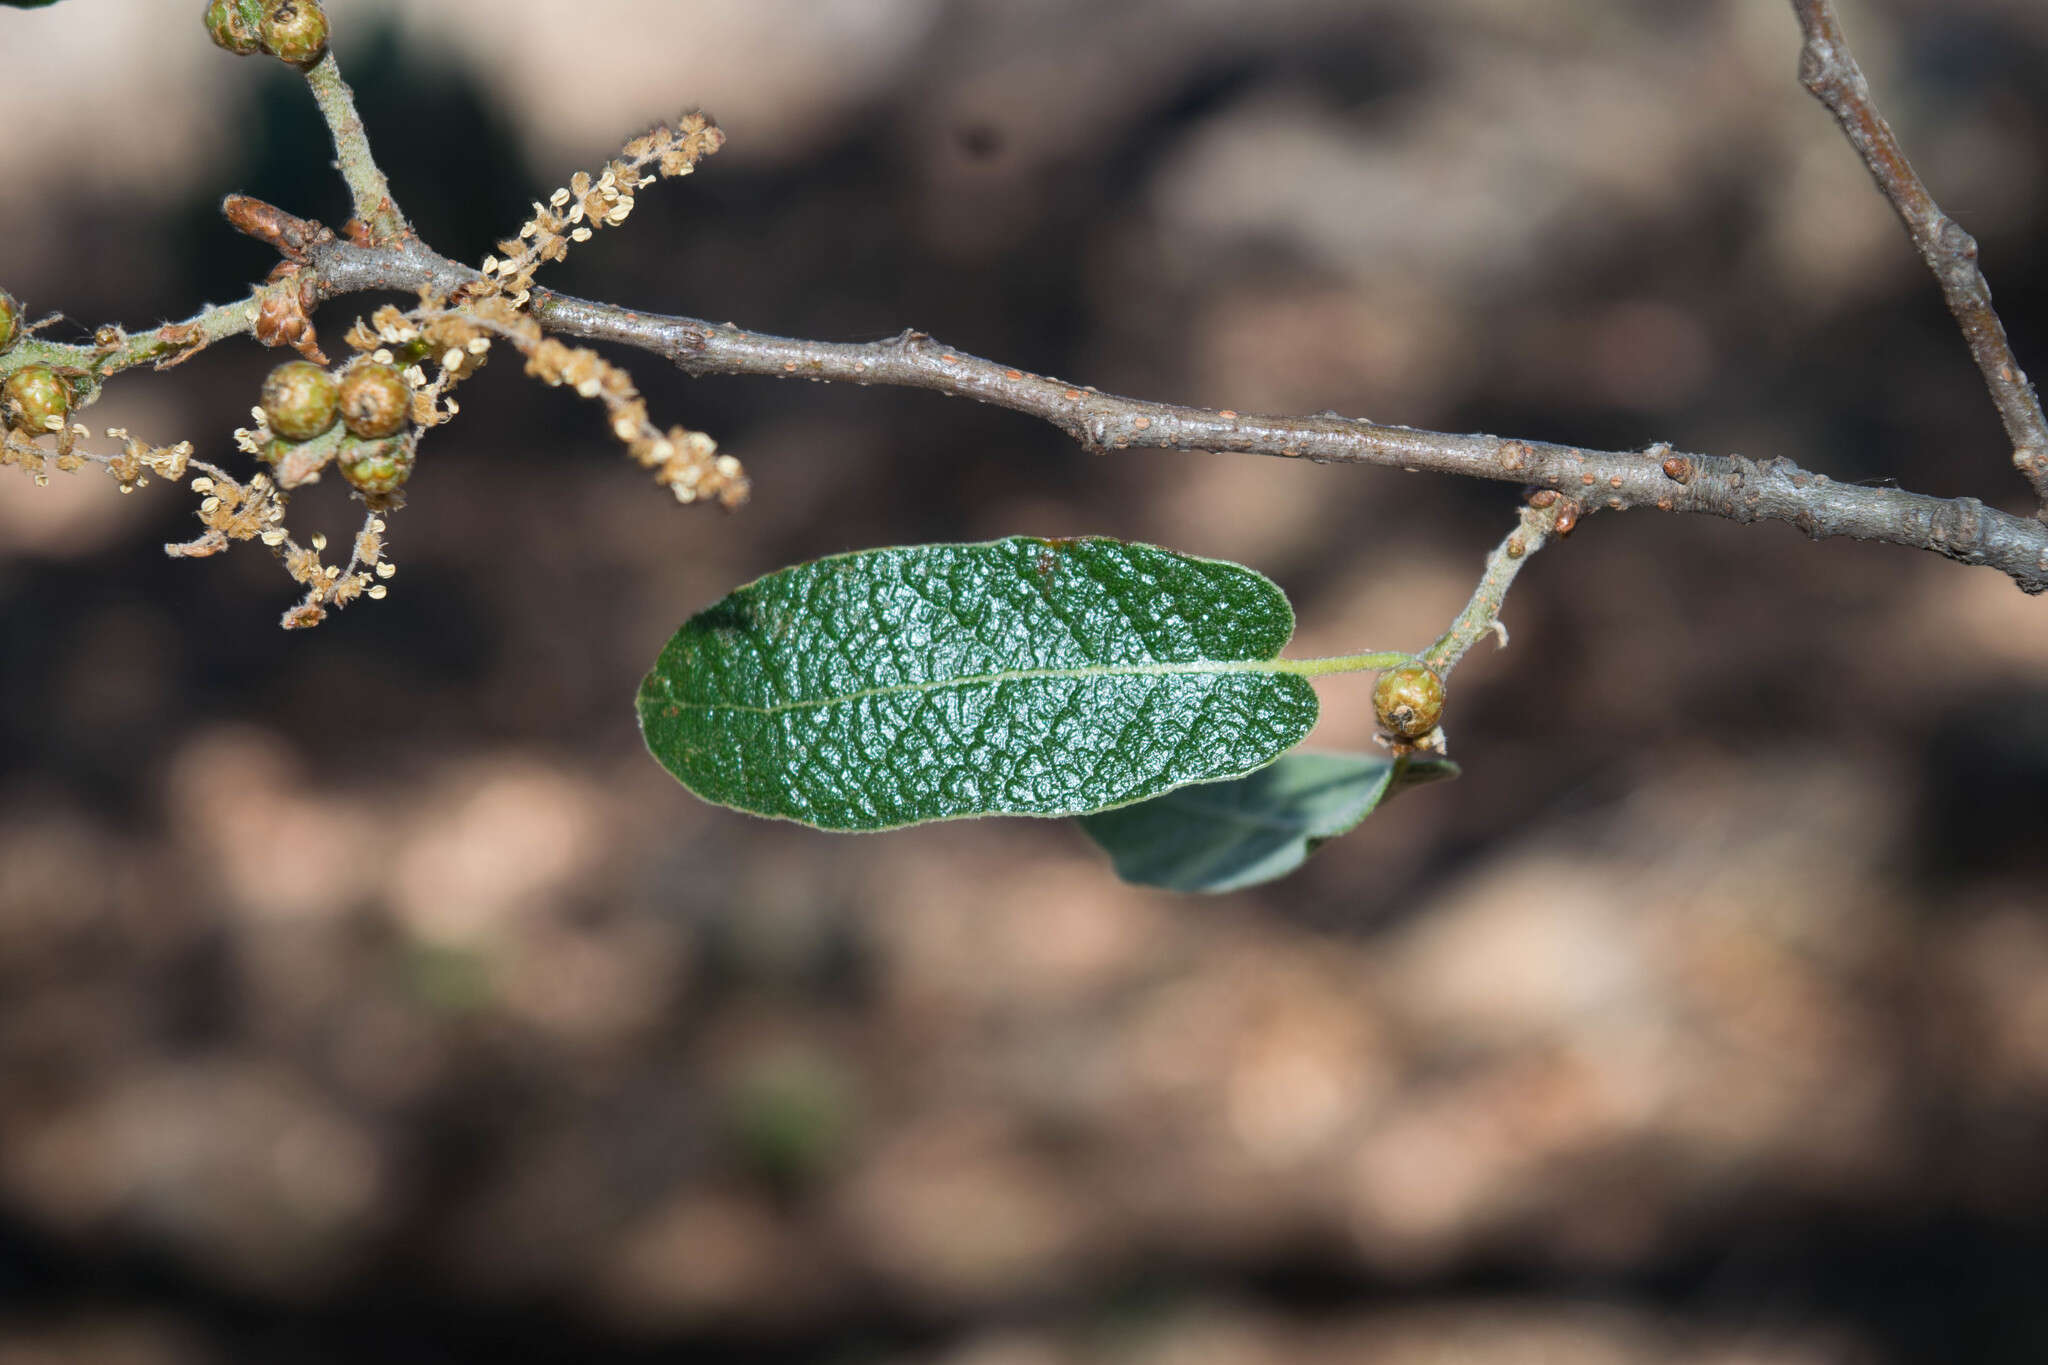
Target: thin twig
375,208
1481,616
1731,486
167,345
1829,70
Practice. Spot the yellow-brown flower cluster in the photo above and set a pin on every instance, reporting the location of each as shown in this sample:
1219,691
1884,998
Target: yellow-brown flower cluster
139,459
232,510
330,585
130,468
579,209
685,462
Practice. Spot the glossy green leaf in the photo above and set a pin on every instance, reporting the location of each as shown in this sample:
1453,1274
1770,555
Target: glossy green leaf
1015,677
1223,836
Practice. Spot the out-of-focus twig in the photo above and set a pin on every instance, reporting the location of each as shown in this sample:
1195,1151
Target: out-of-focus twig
1829,70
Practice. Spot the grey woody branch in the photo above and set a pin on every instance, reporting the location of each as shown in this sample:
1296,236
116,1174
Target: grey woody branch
1731,486
1829,70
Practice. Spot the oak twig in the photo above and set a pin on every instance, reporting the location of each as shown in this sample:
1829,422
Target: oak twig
1731,486
1830,71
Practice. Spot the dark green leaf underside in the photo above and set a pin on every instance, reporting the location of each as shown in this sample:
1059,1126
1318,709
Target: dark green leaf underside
1015,677
1224,836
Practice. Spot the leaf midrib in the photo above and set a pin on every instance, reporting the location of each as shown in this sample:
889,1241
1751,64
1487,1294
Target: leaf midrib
1192,667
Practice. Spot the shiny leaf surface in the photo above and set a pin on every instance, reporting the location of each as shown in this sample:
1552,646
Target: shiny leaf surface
1014,677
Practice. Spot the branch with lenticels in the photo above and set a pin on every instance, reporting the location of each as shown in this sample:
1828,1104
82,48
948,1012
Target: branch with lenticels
1731,486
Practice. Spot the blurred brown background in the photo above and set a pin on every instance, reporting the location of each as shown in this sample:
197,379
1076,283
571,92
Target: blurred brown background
368,994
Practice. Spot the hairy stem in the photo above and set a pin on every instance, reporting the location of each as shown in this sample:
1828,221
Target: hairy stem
165,345
375,208
1481,616
1829,70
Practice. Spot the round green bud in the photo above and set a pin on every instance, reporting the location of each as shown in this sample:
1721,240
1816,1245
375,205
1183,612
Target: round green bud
375,400
295,30
374,466
300,400
10,319
235,25
31,397
1409,701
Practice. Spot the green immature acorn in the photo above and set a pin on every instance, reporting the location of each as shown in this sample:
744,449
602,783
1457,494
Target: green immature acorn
236,25
300,400
32,398
1409,701
374,466
375,400
10,319
294,30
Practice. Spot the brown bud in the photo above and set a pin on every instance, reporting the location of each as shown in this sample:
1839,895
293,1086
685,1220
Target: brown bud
267,223
283,318
1567,518
1678,469
1409,701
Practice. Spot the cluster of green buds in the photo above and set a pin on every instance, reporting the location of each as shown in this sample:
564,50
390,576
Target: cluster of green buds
371,400
292,30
